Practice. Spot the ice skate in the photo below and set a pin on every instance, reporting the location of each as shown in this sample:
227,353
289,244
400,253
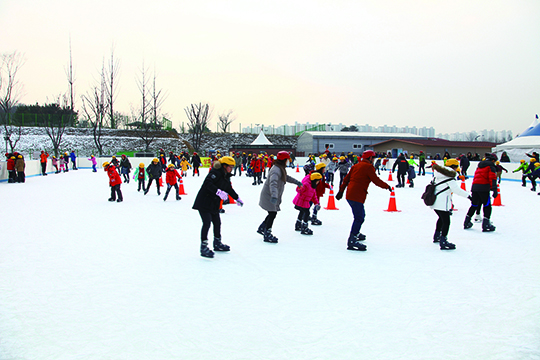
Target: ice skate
315,221
111,199
467,224
219,246
205,251
305,230
436,236
445,245
269,238
487,226
298,225
360,237
353,244
119,200
262,228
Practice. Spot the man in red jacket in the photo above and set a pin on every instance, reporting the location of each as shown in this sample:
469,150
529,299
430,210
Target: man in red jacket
484,181
43,158
357,182
114,182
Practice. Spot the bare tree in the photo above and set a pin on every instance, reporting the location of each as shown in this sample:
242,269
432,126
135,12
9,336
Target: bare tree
56,123
198,120
113,70
158,97
71,80
144,117
225,120
10,93
95,108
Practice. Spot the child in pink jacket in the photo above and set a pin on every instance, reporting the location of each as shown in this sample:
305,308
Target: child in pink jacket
301,201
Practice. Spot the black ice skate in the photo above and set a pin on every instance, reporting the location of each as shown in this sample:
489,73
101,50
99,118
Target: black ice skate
445,245
262,228
298,225
269,238
315,221
487,226
305,230
219,246
205,251
354,244
436,236
467,224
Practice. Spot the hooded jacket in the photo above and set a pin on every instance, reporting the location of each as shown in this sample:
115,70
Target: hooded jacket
114,177
273,188
358,179
485,177
217,178
443,201
305,194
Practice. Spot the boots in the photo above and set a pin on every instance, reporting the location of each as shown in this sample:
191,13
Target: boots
436,236
305,230
298,225
315,221
268,237
467,224
219,246
262,228
354,244
487,226
445,245
205,251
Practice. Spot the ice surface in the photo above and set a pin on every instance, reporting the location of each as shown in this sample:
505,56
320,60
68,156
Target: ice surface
82,278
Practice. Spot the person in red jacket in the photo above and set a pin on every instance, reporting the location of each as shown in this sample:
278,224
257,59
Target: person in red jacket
171,178
11,169
357,182
114,181
484,181
257,166
43,159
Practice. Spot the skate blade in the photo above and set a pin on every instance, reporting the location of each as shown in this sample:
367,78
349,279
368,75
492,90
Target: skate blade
356,248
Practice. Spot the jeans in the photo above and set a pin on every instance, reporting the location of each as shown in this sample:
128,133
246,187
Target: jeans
359,215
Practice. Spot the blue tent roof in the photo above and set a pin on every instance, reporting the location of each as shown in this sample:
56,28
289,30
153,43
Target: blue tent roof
532,131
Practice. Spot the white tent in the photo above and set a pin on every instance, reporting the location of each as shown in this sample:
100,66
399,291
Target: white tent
525,143
261,140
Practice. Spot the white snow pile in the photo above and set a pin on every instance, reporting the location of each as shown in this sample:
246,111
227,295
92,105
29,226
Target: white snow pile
84,278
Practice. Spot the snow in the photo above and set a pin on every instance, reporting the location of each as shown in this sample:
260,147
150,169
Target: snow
83,278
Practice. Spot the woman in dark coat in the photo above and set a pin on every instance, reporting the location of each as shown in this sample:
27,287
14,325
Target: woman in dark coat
215,188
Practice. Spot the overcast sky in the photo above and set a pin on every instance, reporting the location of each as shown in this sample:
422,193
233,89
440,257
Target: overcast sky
458,65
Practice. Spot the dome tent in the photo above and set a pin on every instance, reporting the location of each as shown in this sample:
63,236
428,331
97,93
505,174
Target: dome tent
526,143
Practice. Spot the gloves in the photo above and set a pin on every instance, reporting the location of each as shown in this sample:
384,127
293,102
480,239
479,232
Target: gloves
495,194
273,200
390,188
239,202
222,194
317,207
339,195
470,198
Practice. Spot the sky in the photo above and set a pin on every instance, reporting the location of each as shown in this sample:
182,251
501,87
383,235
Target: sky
458,66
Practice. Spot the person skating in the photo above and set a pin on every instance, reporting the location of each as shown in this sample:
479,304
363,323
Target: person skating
500,169
403,165
237,164
171,178
257,166
43,160
66,162
343,166
184,166
125,168
320,190
446,184
93,160
484,181
154,173
464,164
20,165
271,193
61,163
54,161
331,169
357,182
140,176
411,174
306,195
215,188
114,182
422,163
196,162
524,167
73,159
12,172
535,174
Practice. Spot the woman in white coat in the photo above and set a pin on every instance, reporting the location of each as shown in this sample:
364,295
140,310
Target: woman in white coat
443,202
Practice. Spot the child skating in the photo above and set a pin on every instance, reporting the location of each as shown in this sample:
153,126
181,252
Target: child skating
114,182
171,177
304,196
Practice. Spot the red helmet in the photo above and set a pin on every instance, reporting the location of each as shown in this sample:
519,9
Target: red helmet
368,153
283,155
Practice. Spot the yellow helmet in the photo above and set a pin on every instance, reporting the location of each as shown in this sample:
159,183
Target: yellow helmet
227,160
170,166
452,162
155,160
141,165
105,164
315,176
533,159
522,161
537,164
342,158
320,166
497,162
334,158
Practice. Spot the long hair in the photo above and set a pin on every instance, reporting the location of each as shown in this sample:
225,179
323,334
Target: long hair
281,165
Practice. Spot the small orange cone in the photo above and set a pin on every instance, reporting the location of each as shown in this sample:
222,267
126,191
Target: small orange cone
392,204
181,188
390,175
408,181
497,200
331,201
231,200
242,167
160,182
463,183
297,168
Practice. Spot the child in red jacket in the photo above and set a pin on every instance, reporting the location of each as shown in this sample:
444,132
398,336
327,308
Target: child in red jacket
171,177
114,181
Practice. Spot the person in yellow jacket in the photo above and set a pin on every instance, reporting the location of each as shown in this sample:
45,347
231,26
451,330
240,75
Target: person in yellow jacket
184,165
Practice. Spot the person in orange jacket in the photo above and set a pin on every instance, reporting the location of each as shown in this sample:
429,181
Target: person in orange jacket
114,182
171,178
43,159
357,182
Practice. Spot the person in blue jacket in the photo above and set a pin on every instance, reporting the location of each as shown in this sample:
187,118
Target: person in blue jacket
73,158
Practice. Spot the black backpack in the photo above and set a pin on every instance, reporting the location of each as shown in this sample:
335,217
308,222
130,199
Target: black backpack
429,196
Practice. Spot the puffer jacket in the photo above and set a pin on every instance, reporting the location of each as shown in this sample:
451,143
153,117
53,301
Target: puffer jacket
217,178
154,171
485,177
273,188
358,179
305,194
20,165
171,176
443,201
114,177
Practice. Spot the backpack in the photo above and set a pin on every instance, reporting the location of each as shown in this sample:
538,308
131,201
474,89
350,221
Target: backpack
429,196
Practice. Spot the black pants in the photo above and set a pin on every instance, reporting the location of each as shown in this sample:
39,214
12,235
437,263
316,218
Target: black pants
422,168
115,190
330,178
341,177
169,186
464,171
43,168
303,213
12,176
257,178
21,177
443,223
141,184
196,170
74,166
150,183
269,221
480,198
401,179
208,218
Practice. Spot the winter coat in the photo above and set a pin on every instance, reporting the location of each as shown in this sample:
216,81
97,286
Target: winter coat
321,186
114,177
43,157
20,165
55,161
402,165
331,168
257,165
443,201
237,161
72,156
217,178
485,177
358,179
523,167
305,194
154,171
273,187
93,160
125,165
411,174
184,164
464,162
534,174
422,158
10,164
343,166
140,174
171,176
196,161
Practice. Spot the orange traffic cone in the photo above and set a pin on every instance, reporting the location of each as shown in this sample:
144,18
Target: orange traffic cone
242,167
497,200
297,168
390,175
392,204
331,201
231,200
463,183
181,188
408,182
160,182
